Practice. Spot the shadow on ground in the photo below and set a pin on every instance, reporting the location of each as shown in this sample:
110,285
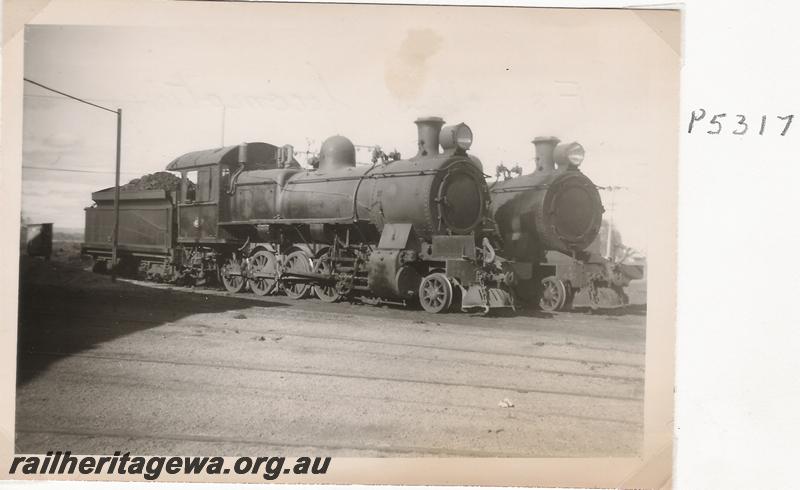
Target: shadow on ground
64,309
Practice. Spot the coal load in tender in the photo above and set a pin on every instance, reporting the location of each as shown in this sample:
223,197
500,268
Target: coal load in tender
155,181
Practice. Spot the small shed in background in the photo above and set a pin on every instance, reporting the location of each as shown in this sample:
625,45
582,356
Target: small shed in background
39,240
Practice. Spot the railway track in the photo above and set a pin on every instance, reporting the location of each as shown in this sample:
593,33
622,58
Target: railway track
417,357
91,321
311,372
131,380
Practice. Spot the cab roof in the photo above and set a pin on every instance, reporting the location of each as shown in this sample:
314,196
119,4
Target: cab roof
259,155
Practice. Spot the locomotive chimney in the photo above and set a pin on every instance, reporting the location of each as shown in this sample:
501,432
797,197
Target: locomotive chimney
545,145
428,129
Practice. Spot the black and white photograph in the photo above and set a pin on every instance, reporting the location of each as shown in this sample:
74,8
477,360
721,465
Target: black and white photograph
347,231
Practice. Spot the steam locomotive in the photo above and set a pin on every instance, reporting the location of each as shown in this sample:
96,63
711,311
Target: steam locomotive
428,229
397,231
549,218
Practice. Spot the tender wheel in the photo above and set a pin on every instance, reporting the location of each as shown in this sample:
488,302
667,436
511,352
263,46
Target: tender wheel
263,272
329,294
436,293
554,294
231,274
298,261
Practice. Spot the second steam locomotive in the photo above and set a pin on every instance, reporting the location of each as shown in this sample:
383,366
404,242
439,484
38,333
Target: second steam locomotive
549,218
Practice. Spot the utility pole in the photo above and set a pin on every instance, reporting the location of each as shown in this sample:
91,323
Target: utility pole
222,136
118,112
609,239
115,236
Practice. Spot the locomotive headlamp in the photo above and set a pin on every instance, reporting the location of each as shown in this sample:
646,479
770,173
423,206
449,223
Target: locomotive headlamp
457,136
567,154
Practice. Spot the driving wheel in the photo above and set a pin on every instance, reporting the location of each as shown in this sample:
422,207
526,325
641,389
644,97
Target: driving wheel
231,274
328,292
297,261
263,272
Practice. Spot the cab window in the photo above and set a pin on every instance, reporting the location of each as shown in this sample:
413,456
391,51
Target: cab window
225,178
204,185
190,186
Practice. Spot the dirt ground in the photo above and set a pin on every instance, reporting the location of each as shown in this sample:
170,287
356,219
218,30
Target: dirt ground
152,369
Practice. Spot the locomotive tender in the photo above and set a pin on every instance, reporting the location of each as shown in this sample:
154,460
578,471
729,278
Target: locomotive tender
548,218
396,231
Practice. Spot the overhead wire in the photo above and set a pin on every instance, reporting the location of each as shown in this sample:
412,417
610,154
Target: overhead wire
78,170
59,169
69,96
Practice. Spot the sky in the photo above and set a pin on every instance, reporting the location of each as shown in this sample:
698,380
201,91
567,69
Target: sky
296,74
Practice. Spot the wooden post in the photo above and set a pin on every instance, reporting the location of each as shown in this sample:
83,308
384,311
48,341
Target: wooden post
115,236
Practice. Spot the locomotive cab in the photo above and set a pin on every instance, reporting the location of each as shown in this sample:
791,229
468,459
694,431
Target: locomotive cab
198,207
208,182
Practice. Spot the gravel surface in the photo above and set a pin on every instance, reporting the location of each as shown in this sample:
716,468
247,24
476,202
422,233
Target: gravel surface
154,369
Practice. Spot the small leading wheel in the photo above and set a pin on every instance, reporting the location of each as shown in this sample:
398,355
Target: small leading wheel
263,272
554,294
297,261
327,293
231,274
436,293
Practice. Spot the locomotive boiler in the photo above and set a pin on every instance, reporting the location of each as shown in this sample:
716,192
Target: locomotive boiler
396,231
549,218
